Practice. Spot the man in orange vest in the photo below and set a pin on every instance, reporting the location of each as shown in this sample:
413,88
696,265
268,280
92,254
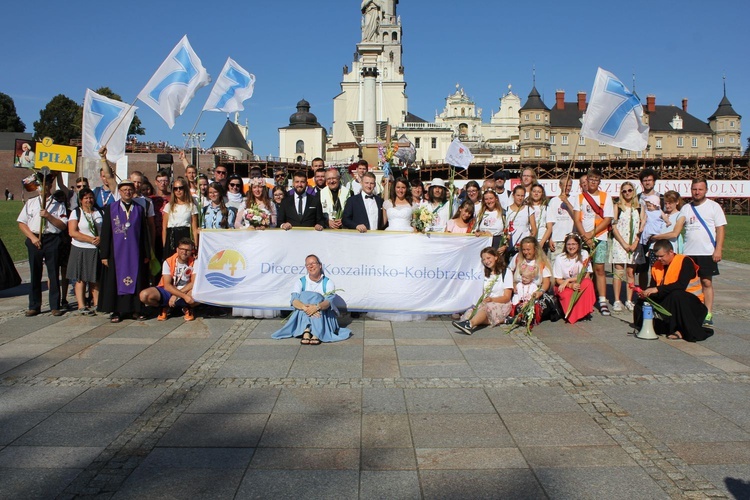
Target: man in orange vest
675,285
176,285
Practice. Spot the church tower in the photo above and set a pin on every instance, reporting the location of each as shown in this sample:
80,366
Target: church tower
377,63
725,124
534,128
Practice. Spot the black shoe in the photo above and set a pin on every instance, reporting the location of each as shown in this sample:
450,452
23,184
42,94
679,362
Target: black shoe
464,326
508,320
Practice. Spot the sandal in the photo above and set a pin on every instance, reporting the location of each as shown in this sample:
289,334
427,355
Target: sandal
306,338
115,318
314,341
675,336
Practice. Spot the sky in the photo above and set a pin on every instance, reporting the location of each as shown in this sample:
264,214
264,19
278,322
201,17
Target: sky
297,49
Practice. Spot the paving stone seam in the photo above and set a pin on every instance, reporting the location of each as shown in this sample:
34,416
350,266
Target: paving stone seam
666,468
106,474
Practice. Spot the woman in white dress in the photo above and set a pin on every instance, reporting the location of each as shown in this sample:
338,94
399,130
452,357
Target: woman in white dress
491,220
258,200
397,213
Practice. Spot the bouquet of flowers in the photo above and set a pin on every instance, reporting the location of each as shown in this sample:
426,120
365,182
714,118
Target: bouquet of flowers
386,155
507,232
257,217
485,293
525,317
421,219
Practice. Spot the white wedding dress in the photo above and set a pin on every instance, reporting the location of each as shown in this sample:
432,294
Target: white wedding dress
399,219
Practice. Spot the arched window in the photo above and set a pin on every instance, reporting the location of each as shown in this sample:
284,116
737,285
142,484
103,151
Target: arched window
385,37
299,159
463,111
300,148
394,37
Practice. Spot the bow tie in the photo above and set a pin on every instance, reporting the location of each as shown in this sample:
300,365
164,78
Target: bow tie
369,196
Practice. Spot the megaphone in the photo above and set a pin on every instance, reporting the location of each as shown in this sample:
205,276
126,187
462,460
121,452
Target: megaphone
647,330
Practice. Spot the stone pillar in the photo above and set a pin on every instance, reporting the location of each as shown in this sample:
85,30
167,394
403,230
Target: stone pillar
370,133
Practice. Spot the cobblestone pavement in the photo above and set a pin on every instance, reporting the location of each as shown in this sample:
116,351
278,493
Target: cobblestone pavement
217,408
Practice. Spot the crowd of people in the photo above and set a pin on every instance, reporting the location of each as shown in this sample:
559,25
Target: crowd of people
129,246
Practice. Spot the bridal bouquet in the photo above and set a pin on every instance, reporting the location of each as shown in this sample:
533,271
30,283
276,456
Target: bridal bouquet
257,217
421,219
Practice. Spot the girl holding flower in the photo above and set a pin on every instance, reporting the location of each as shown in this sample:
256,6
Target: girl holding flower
538,202
259,209
628,225
519,222
491,221
572,273
494,304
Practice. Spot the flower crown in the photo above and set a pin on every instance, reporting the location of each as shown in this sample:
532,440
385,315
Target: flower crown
257,181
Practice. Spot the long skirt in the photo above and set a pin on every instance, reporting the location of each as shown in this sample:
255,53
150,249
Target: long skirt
583,306
84,265
325,327
688,313
496,312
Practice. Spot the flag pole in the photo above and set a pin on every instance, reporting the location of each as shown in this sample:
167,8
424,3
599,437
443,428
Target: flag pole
187,140
120,122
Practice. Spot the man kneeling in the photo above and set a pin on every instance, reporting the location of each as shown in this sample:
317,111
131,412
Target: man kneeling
675,285
176,285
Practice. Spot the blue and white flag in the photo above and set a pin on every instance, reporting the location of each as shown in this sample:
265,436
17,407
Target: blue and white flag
174,84
232,88
614,115
458,155
105,120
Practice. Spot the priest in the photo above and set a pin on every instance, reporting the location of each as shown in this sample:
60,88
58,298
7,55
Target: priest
124,251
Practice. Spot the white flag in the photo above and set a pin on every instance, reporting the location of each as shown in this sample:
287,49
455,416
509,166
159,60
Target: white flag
174,84
232,88
105,120
458,155
615,115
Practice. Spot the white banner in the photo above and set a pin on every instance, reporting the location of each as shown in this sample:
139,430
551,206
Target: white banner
233,87
716,189
105,119
374,271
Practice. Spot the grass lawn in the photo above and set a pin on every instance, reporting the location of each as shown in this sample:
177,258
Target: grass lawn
12,237
736,246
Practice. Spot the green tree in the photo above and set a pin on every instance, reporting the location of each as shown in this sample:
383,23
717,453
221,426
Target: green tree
59,120
9,120
136,128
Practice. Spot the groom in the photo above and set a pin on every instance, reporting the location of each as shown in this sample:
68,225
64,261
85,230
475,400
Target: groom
364,211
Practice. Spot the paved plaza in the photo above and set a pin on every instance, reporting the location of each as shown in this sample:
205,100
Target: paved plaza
216,408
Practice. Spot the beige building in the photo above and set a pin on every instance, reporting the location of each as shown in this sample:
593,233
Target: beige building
555,133
304,138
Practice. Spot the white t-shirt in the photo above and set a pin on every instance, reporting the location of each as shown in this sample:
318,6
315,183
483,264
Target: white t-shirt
505,199
181,217
147,204
492,222
565,268
697,241
30,215
559,216
540,216
441,217
589,216
521,224
84,226
182,273
503,283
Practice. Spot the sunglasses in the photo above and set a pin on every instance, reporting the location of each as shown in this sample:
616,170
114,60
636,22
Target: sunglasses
279,176
220,172
626,191
178,188
80,186
234,185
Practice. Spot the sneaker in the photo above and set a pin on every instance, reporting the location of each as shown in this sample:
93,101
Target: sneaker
709,321
508,320
604,309
189,316
464,326
617,306
163,315
629,305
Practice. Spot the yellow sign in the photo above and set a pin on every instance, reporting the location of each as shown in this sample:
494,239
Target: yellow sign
55,157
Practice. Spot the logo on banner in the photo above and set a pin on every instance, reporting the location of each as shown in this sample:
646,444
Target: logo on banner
228,268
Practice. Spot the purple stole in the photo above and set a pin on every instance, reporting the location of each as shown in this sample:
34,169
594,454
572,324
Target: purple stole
126,239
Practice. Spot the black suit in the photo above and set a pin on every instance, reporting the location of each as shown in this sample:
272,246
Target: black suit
356,214
312,216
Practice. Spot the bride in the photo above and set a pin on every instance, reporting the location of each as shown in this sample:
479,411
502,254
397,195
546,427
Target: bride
397,214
